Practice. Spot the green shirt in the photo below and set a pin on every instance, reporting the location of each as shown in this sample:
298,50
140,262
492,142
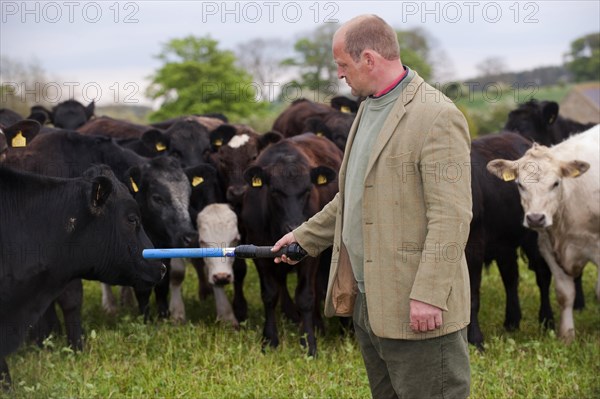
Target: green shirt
375,111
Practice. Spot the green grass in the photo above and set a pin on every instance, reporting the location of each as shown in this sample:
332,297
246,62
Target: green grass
124,358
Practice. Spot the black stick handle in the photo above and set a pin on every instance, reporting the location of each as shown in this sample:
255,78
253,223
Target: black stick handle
293,251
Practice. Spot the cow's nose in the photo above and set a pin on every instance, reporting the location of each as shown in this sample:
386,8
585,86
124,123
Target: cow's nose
163,270
235,193
222,278
536,219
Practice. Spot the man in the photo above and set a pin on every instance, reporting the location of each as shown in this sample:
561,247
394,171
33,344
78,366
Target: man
399,223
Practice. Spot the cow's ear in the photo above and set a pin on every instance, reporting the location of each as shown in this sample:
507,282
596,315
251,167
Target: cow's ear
155,140
39,114
550,112
133,179
316,125
256,177
21,133
270,137
201,173
102,187
322,175
503,169
89,110
574,168
221,136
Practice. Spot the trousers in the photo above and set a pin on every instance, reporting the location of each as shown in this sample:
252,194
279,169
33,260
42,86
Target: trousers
434,368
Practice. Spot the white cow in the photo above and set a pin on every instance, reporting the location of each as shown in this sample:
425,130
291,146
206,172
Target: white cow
217,227
560,194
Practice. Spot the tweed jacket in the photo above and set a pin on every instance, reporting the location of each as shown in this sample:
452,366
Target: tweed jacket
416,215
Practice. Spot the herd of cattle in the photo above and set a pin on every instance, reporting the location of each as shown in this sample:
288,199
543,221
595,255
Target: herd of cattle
81,199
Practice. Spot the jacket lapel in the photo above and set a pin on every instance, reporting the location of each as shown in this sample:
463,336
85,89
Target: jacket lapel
393,119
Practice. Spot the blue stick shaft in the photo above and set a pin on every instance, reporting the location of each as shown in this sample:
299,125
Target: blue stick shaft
188,253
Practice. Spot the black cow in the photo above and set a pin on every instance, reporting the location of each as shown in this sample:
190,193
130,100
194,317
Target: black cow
56,230
304,116
162,191
186,139
69,114
497,232
539,121
289,182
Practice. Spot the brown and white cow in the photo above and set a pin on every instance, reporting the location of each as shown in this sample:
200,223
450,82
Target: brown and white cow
218,227
560,193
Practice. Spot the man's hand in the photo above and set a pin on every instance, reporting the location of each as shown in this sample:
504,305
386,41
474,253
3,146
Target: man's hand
285,240
424,317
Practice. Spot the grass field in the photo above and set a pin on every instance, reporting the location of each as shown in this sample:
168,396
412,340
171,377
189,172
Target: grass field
125,358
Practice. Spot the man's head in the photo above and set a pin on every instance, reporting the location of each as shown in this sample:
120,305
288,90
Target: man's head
367,53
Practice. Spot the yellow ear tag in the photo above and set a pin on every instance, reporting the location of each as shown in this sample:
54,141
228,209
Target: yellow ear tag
508,175
133,185
321,179
320,134
218,142
160,146
575,173
197,180
345,109
18,140
256,182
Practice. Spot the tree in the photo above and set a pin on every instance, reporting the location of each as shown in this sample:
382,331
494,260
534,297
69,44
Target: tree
414,51
583,60
198,78
24,85
315,60
262,59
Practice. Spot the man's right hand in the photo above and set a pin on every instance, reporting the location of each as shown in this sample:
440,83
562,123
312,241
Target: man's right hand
285,240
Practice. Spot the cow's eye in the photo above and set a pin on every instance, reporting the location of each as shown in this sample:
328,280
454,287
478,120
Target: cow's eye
556,183
176,154
134,219
521,187
158,199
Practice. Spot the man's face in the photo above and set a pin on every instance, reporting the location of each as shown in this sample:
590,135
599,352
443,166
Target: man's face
353,72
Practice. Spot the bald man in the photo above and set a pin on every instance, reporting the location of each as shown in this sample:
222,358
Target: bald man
399,223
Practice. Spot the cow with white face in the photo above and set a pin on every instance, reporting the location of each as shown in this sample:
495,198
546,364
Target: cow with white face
218,227
560,195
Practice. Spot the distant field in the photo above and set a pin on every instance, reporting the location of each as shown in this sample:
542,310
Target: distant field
125,358
511,96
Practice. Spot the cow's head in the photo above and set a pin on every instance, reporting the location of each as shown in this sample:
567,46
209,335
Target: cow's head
112,230
290,188
233,151
218,227
162,191
534,120
188,142
69,114
205,187
539,177
335,126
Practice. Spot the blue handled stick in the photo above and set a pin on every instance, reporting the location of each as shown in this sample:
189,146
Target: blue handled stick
292,251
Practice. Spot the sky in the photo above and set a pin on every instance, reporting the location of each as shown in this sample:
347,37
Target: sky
106,50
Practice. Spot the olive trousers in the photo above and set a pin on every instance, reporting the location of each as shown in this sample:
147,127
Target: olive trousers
413,369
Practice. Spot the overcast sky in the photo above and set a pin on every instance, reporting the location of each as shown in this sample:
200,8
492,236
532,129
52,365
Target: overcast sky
109,47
